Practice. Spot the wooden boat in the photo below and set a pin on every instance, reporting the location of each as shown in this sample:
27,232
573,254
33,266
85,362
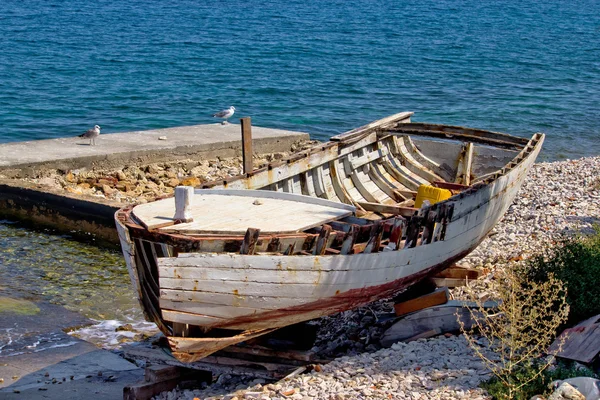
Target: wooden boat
326,230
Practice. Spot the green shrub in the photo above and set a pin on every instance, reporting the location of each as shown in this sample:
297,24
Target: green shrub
539,384
576,262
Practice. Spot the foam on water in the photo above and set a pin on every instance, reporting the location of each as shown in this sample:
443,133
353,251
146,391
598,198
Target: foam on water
105,333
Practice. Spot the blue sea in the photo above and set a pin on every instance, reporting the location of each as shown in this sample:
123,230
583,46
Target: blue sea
317,66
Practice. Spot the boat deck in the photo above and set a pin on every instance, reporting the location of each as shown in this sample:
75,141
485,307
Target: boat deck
233,211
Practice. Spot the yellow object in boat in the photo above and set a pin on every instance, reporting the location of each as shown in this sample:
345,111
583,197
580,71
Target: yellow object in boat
431,193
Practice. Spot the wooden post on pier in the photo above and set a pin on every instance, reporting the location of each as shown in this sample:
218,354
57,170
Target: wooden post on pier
246,144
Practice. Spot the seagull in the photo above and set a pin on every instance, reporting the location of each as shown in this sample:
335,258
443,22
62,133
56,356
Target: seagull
92,134
225,114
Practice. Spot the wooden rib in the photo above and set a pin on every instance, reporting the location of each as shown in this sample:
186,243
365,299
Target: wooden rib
463,172
429,227
328,184
362,175
412,163
380,178
307,184
400,173
398,230
346,180
250,239
368,158
375,240
350,240
339,188
322,240
412,231
357,182
443,171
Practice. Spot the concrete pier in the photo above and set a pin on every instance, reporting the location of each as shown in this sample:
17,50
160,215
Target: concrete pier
42,206
112,150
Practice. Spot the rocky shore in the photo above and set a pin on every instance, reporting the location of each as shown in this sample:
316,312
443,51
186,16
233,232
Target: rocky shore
139,182
558,199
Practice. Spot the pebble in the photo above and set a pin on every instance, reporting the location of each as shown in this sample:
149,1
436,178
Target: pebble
558,199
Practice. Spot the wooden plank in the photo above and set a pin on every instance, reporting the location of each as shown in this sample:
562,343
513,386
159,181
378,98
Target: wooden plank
255,350
388,209
233,211
439,296
450,185
358,133
246,126
504,144
159,355
581,343
198,348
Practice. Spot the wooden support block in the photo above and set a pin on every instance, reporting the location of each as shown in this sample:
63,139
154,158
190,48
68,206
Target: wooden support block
449,282
147,390
160,378
458,272
440,296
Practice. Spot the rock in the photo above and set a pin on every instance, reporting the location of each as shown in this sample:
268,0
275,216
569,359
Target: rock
107,190
173,182
566,392
74,190
190,181
126,327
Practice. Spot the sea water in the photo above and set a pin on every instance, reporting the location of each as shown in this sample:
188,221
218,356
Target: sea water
317,66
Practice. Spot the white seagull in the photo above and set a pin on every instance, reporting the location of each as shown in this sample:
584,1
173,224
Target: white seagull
225,114
92,134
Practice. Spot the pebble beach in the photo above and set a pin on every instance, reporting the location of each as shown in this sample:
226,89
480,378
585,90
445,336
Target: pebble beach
558,199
